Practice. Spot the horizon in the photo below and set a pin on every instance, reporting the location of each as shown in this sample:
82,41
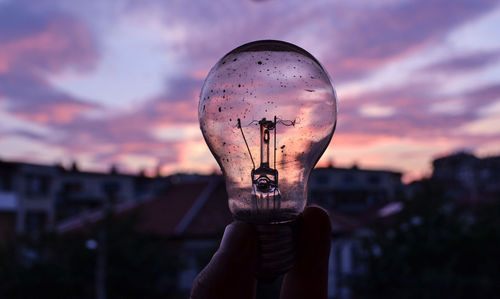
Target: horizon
117,83
112,169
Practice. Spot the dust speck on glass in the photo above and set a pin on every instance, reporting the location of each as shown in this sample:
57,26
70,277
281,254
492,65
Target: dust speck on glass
267,111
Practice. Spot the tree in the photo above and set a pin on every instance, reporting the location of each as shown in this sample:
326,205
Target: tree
435,248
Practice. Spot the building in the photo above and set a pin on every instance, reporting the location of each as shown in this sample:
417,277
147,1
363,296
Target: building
189,210
34,197
28,192
353,190
79,191
192,213
467,177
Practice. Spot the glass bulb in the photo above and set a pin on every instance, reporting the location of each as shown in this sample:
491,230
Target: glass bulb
267,111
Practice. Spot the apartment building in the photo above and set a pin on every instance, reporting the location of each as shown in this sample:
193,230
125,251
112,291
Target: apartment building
34,197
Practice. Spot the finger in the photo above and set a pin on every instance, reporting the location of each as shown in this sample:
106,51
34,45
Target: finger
230,273
309,277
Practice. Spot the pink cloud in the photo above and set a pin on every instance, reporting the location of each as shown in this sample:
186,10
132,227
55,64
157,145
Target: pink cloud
60,43
38,44
351,40
54,113
464,63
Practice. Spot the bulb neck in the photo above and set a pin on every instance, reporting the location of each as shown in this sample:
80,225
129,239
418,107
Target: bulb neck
278,244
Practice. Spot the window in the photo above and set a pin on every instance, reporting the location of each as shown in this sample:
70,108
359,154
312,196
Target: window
374,180
5,182
72,187
322,179
35,221
349,178
37,185
111,188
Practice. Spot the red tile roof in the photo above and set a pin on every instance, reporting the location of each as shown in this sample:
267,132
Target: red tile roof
213,216
199,209
163,214
196,208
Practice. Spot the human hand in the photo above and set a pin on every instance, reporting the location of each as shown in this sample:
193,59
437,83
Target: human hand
231,272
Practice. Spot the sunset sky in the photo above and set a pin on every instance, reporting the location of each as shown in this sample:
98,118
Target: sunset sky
117,82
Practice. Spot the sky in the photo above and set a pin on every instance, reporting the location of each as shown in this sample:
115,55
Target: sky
117,82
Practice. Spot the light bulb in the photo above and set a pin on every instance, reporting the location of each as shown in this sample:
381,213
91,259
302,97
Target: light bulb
268,111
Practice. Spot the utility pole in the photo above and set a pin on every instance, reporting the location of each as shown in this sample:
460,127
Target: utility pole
100,281
102,239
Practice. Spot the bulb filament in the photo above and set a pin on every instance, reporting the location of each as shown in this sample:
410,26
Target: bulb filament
265,193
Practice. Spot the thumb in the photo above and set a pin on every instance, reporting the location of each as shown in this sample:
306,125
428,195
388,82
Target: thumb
230,272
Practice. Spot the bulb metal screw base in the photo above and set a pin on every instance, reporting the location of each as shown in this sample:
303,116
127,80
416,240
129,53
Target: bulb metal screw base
278,245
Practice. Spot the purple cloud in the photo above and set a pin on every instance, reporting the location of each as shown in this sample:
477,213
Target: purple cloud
353,39
374,37
31,98
33,45
464,63
42,41
485,94
413,116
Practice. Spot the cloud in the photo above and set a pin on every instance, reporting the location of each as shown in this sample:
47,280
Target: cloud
353,39
464,63
487,126
33,45
448,107
375,37
31,98
490,109
377,111
485,94
156,129
42,42
184,88
350,39
413,110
